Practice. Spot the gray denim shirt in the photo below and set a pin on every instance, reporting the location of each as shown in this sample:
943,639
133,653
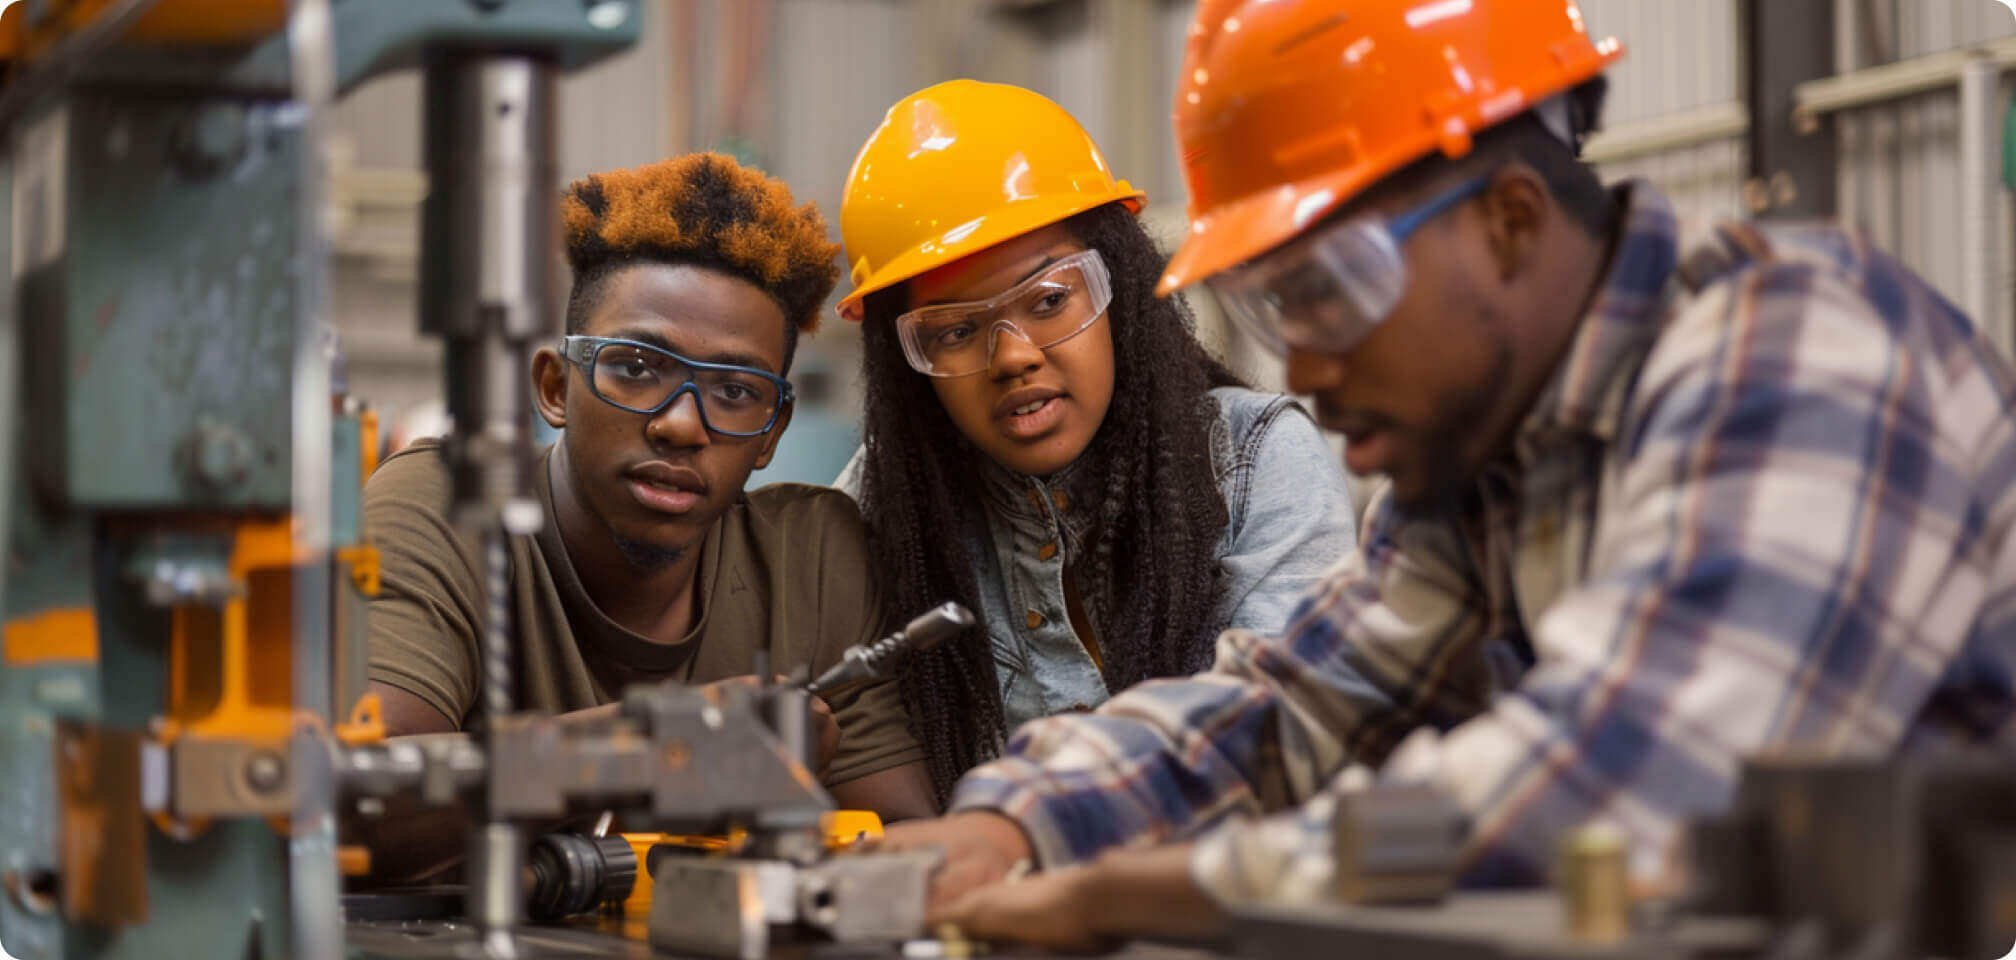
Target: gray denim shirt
1290,519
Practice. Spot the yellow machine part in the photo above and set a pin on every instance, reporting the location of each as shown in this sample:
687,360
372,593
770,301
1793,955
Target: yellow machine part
843,828
172,23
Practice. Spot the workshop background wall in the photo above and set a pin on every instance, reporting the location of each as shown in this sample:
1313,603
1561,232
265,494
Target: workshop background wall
794,86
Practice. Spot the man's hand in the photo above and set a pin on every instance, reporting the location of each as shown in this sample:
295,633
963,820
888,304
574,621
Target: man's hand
980,846
1049,910
825,730
1123,894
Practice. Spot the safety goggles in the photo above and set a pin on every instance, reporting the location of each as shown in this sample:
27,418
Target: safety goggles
638,377
1328,292
1057,303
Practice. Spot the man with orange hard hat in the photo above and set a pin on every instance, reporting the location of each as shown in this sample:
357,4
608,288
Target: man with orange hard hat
1652,510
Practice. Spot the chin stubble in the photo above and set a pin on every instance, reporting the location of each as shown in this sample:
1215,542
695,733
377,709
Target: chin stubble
646,557
643,557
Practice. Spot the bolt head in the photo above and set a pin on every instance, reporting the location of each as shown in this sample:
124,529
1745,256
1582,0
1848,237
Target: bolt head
266,771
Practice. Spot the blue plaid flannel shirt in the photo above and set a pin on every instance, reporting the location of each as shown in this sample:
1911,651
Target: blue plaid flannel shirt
1765,501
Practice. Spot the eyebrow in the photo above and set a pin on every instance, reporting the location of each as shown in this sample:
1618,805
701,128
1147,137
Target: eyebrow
729,358
1039,268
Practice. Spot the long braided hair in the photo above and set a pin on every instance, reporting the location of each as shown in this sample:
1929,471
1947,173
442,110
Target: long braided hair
1159,519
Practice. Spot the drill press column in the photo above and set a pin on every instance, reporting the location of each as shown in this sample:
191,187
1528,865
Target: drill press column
487,287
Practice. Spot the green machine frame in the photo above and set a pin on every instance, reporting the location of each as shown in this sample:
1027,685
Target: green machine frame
151,362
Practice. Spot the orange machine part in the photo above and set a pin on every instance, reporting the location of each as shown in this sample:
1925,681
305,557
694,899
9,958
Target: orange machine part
173,23
230,673
843,829
367,444
64,635
353,861
366,723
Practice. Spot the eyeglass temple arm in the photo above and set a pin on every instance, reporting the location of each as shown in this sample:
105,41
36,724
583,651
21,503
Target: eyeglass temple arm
1412,220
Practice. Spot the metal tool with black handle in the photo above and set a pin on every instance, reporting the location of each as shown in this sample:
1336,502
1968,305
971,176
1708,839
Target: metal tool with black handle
875,661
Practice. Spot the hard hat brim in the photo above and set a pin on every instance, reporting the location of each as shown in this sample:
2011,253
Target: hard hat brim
1237,232
966,239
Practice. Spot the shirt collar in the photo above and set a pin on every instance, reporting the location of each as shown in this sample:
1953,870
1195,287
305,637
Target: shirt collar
1588,390
1070,494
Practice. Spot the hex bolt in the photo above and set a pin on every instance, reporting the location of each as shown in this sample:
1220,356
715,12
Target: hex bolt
219,455
266,772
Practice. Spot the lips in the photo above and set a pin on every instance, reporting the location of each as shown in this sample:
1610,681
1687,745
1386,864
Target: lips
1030,412
663,488
1365,436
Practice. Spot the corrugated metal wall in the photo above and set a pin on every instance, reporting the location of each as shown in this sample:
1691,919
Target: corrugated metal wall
1679,57
1900,161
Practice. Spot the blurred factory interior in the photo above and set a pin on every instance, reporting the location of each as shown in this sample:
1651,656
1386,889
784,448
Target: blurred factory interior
1915,107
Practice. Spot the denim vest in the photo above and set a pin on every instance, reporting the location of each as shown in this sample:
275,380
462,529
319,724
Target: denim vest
1289,519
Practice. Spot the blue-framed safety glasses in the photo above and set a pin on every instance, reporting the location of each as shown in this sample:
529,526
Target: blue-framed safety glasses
638,377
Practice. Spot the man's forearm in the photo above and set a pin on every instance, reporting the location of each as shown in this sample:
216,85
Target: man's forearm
1148,892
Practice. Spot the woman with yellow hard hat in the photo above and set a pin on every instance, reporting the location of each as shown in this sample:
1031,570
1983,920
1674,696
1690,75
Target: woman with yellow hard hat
1045,440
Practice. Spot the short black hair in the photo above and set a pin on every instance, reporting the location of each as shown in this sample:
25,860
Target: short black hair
704,210
1526,139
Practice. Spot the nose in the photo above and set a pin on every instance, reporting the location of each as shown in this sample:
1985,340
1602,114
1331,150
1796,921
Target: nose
1012,355
679,424
1310,372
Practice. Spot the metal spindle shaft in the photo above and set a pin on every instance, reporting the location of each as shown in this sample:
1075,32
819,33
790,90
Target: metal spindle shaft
497,678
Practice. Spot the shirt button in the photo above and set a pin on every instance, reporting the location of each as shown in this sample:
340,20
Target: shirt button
1063,502
1049,550
1034,620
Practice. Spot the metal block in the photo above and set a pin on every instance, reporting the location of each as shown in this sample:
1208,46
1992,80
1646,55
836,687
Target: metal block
160,366
868,897
718,764
1987,869
1844,844
719,907
229,778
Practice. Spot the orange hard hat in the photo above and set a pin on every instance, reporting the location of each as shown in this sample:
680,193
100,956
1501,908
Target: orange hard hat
957,168
1284,111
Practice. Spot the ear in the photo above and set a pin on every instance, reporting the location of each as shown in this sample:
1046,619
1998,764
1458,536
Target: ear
776,433
549,386
1516,207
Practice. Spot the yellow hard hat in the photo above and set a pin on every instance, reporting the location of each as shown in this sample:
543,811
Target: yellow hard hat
957,168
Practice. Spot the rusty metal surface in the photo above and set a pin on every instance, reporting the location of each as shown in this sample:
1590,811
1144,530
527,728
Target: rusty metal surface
103,865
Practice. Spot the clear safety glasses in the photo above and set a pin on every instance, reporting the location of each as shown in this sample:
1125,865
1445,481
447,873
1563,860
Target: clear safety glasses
1054,305
638,377
1327,292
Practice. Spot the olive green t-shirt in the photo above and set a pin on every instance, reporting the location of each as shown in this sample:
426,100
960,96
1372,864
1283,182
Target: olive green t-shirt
785,569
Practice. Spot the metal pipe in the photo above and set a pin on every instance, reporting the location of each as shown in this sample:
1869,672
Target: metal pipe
1981,199
315,931
1817,98
496,883
1716,121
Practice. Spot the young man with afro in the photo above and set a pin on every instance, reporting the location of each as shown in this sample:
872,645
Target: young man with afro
693,278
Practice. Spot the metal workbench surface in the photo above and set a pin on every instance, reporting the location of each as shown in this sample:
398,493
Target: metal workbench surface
456,939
